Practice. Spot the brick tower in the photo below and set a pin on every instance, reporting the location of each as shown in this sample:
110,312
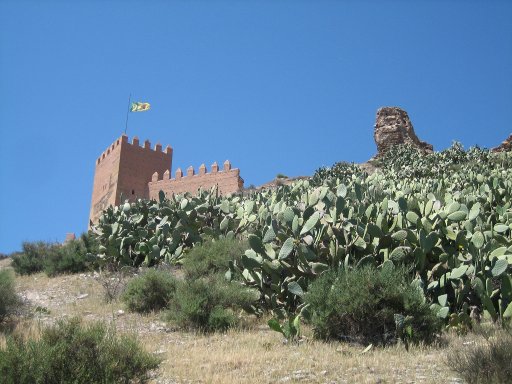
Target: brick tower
123,172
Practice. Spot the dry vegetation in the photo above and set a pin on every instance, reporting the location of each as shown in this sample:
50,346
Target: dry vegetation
248,355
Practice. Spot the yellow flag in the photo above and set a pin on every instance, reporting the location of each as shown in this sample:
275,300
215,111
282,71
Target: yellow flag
139,107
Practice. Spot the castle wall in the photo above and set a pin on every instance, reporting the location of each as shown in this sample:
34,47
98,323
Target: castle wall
137,167
128,171
228,181
106,175
124,169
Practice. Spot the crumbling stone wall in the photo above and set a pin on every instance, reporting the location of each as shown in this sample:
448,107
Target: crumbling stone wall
506,145
393,127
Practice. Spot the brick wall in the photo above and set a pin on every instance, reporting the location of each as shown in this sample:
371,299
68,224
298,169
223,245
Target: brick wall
124,169
104,188
228,181
137,166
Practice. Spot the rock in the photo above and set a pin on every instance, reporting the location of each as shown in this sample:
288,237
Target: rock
504,146
32,296
280,181
158,327
393,127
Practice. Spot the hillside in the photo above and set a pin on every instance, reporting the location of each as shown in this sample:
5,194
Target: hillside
239,355
423,244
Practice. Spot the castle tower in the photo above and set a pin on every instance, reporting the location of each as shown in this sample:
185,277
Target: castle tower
123,172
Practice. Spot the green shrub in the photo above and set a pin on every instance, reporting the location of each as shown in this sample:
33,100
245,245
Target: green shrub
8,297
53,258
212,257
70,352
71,257
31,259
151,291
365,305
90,242
489,362
209,304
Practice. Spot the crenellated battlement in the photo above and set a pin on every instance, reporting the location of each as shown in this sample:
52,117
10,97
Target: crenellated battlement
135,144
203,171
228,180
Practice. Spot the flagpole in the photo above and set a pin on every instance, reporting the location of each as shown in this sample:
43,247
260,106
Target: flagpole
127,113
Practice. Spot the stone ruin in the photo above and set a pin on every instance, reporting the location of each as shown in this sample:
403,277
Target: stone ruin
504,146
393,127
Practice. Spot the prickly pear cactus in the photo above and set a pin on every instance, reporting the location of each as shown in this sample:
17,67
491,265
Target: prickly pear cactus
447,215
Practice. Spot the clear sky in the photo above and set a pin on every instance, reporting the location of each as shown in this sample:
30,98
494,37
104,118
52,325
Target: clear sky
273,86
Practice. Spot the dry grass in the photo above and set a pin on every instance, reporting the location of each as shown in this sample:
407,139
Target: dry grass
250,355
5,263
261,356
25,328
486,358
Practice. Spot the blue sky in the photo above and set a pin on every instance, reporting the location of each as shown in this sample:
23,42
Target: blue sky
273,86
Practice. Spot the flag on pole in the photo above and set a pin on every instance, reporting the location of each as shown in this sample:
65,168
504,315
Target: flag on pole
139,107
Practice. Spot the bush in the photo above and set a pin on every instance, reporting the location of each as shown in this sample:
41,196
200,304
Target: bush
72,353
209,304
370,306
71,257
212,257
53,258
486,363
31,259
151,291
114,281
8,297
91,243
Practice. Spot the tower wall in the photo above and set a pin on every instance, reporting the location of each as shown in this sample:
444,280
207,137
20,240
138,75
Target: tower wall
137,166
124,169
106,174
